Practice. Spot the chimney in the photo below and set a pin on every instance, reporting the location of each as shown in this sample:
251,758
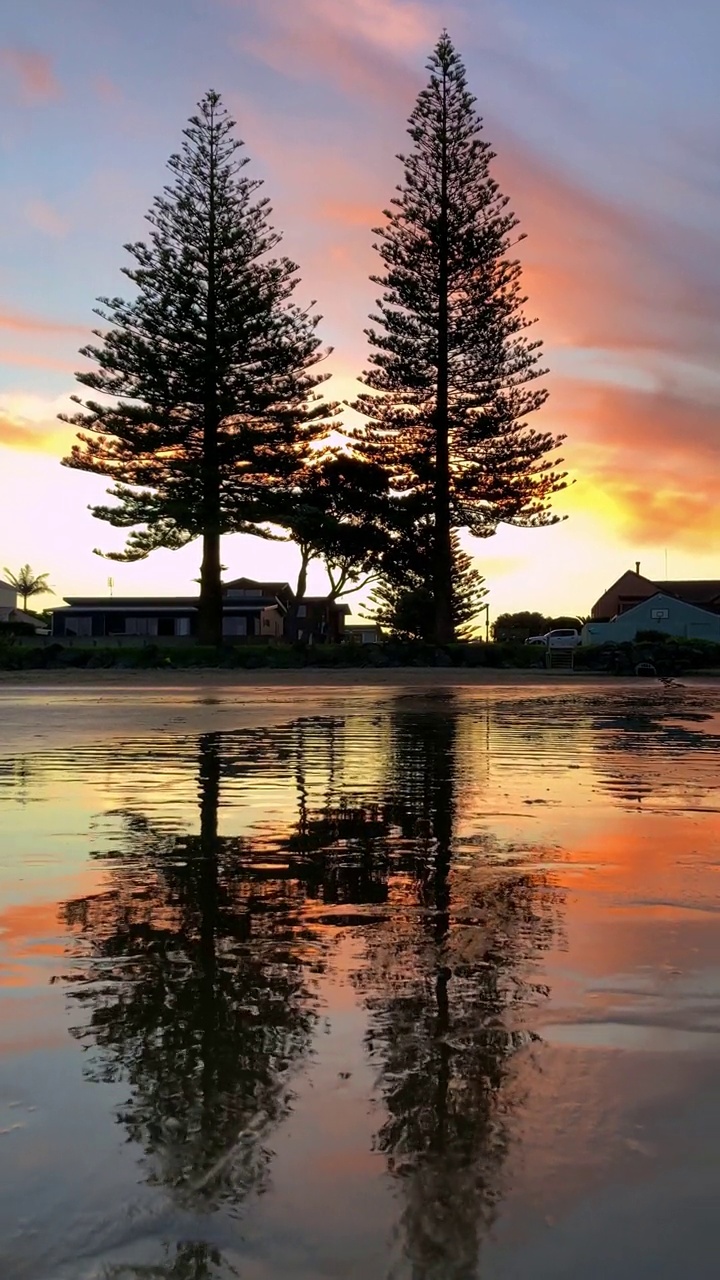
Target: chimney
637,567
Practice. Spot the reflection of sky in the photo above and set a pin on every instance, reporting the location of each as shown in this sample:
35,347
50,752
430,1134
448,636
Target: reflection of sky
617,922
599,114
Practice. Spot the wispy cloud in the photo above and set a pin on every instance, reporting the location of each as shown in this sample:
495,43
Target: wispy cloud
46,219
363,46
23,322
30,73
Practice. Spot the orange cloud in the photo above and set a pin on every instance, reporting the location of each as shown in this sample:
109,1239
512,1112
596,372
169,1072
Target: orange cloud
20,322
349,213
37,360
16,434
32,73
649,458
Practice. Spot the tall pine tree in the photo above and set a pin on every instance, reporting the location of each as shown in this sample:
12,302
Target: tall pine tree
402,603
208,374
453,375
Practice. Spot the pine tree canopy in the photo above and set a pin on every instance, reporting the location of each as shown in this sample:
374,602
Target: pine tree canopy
453,374
206,378
402,603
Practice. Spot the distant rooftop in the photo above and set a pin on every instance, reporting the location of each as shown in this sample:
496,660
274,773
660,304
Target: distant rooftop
692,590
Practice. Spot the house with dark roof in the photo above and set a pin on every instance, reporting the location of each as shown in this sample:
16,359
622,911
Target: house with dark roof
685,608
251,610
663,613
632,588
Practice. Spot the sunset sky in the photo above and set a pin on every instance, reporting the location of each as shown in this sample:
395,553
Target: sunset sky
605,120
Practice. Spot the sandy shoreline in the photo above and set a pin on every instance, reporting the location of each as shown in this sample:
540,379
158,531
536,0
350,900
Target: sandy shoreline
42,710
308,677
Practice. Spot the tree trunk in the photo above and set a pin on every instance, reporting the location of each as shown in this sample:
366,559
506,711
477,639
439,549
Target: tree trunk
210,610
301,587
210,613
442,557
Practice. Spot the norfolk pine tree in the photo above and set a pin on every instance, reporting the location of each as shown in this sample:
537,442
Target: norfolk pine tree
207,375
402,603
452,375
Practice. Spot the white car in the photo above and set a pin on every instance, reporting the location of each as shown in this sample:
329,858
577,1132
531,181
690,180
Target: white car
561,638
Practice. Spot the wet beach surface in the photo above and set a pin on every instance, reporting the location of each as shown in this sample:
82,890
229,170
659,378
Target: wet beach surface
372,982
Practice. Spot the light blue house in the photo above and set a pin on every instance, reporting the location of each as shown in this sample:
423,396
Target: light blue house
658,613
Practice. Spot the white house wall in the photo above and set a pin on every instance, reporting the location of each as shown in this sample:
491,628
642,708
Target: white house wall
683,621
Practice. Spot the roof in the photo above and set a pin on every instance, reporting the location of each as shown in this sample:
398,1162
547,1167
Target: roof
131,602
662,596
693,591
268,588
8,585
332,604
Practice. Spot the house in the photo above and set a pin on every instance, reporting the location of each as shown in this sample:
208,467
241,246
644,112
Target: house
9,611
364,632
319,618
632,588
8,600
250,609
659,612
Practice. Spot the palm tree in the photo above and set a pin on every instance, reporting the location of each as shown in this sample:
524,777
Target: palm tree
28,584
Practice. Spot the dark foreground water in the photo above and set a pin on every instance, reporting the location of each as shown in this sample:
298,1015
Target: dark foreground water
425,986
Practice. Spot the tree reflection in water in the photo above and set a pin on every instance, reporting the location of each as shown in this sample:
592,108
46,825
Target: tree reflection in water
203,1011
200,959
446,987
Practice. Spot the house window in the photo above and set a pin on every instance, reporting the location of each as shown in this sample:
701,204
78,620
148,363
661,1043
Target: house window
78,626
234,626
141,626
244,593
302,611
182,626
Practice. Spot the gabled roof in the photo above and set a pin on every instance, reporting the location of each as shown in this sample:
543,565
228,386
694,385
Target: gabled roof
8,585
664,596
332,604
266,588
693,591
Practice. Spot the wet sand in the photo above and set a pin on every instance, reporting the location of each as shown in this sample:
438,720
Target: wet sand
54,708
414,977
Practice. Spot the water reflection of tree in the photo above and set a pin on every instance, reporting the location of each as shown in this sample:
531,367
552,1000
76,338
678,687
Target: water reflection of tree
202,1013
199,955
182,1262
447,986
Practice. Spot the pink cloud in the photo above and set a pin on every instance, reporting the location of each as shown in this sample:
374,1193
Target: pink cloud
601,275
361,44
44,218
106,89
19,322
32,73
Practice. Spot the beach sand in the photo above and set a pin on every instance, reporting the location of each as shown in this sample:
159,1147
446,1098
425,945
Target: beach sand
41,709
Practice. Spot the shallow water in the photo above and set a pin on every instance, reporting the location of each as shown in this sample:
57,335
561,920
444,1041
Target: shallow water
410,985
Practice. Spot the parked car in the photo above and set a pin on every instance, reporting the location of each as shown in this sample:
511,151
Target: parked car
560,638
